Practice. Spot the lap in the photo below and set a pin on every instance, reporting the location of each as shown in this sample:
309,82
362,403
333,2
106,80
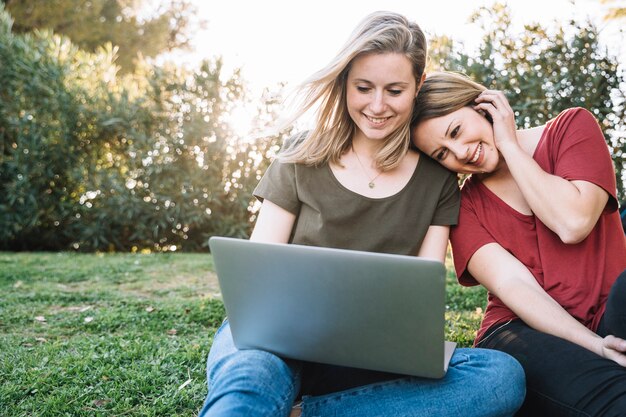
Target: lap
479,382
467,365
475,376
562,378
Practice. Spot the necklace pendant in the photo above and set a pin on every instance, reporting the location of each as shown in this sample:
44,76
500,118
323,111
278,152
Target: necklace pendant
371,184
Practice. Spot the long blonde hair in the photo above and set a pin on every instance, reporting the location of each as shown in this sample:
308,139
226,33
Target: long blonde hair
380,32
443,93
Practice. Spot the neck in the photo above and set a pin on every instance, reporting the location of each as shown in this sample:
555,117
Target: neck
527,139
501,172
366,148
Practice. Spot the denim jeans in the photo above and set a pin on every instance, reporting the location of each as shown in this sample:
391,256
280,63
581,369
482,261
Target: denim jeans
565,379
479,382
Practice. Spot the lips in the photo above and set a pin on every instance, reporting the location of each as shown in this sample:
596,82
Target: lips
478,152
377,120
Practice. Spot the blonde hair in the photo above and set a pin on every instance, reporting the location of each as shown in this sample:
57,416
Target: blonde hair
378,33
443,93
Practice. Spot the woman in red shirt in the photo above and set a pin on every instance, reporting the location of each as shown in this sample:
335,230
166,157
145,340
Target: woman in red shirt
539,227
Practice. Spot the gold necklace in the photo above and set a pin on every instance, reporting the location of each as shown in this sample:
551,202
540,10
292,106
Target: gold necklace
371,184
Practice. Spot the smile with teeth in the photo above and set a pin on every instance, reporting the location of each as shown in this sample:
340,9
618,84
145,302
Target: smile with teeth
377,120
477,153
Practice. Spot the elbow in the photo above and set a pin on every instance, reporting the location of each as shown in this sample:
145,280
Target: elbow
575,231
571,238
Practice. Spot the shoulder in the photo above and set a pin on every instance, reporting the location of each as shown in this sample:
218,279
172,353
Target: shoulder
434,168
437,182
287,168
572,127
576,112
574,116
294,141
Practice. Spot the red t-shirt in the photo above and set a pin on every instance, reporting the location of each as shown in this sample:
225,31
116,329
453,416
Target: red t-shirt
577,276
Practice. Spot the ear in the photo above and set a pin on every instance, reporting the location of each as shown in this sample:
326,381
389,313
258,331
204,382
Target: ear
419,86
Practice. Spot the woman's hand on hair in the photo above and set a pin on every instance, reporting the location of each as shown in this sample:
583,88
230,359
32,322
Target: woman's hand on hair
494,105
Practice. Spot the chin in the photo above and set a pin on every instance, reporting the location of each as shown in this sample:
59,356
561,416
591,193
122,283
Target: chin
377,134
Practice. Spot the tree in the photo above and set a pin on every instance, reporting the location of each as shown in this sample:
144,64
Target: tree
91,160
544,71
91,24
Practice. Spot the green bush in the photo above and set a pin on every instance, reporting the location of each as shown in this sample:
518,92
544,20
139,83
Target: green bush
96,161
92,160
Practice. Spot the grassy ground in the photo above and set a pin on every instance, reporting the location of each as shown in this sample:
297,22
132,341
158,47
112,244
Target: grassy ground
121,334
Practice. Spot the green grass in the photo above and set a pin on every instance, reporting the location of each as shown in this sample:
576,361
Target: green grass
123,334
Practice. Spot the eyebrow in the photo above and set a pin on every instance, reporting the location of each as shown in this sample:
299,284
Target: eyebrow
448,129
398,83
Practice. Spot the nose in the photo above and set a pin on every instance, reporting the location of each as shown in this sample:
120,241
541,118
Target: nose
459,150
378,104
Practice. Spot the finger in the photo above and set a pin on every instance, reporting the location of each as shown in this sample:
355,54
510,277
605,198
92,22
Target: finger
617,357
487,107
491,94
496,97
615,343
483,97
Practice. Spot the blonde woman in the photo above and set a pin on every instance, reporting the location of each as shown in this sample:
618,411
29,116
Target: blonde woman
353,183
540,229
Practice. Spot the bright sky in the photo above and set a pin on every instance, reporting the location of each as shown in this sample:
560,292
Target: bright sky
287,40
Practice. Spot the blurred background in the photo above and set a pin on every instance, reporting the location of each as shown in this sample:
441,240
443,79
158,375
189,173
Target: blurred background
144,125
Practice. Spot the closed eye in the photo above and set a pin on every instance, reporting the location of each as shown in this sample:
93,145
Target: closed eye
441,154
395,92
363,89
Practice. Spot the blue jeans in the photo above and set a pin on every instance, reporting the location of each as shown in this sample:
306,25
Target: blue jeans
256,383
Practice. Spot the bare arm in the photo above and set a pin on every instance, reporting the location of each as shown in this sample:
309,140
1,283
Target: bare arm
509,280
569,208
435,243
273,224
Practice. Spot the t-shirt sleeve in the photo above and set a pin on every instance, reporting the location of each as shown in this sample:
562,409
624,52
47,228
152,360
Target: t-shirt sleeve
580,152
447,212
279,186
466,238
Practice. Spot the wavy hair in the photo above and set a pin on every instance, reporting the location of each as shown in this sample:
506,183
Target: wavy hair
378,33
443,93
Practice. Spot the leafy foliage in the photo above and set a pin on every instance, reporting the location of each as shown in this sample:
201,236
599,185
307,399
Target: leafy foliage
92,24
96,161
544,72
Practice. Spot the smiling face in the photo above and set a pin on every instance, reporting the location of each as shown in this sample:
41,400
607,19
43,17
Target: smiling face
379,93
462,141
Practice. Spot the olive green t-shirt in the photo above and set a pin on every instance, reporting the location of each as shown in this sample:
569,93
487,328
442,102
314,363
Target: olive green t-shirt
330,215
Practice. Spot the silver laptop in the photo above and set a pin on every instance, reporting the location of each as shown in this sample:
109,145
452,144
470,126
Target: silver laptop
341,307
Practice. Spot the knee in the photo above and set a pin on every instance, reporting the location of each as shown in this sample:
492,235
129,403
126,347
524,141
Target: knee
249,382
509,372
500,379
509,381
242,367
